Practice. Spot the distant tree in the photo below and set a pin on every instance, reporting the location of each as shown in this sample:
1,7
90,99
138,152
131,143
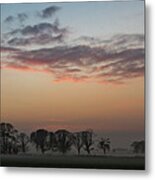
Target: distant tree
78,141
104,144
63,140
40,139
8,136
33,139
51,141
138,146
87,140
23,141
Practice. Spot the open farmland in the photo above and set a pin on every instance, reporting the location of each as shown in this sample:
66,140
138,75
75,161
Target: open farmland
95,162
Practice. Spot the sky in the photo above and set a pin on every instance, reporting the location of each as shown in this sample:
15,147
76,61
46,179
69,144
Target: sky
73,65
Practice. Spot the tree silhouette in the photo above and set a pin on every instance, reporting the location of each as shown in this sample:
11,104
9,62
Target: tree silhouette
52,141
8,134
104,144
77,141
33,139
40,139
63,140
23,141
87,140
138,146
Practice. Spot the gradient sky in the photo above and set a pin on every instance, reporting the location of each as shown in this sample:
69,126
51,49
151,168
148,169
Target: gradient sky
73,65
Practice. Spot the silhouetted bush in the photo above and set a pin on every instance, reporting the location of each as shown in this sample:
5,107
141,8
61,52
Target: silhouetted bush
138,146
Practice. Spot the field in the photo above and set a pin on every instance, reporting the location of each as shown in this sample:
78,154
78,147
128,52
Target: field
94,162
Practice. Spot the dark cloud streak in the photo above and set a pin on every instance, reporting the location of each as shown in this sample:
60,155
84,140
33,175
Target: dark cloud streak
9,19
37,34
42,33
48,12
21,17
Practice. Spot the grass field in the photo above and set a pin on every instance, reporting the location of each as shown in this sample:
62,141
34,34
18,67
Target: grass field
95,162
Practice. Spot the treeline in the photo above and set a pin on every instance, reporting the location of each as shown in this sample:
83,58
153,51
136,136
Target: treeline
12,141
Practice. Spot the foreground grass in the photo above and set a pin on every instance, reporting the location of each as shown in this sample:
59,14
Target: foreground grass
95,162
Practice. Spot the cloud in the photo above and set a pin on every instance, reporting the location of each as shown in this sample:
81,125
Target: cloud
37,29
40,39
9,19
42,33
124,41
48,12
118,41
22,17
99,63
8,49
19,41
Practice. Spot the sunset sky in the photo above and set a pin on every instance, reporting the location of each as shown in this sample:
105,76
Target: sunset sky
73,65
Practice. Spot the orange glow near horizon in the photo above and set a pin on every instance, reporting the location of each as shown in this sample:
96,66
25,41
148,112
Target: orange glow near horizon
31,100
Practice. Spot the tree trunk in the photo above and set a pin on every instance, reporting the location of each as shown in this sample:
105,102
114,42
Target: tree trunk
78,151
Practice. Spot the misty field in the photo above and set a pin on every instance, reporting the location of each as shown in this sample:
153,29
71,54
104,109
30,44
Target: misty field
94,162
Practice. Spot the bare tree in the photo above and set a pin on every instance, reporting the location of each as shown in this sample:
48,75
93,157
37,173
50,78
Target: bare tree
40,139
63,140
33,139
23,141
77,141
51,141
104,144
87,140
8,136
